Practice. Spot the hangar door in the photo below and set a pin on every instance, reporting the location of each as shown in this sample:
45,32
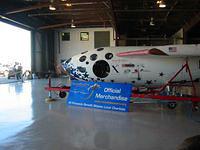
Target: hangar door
101,39
15,49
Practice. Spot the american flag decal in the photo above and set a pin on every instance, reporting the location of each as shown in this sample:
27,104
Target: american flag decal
172,49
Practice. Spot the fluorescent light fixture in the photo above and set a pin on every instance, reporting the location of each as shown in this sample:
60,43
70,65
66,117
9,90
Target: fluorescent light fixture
68,4
73,26
151,23
52,7
158,2
161,3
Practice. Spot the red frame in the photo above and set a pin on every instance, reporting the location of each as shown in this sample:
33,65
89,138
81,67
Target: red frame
186,66
154,95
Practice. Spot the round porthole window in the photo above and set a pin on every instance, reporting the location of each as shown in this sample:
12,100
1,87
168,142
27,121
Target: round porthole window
81,69
93,57
109,56
101,69
82,58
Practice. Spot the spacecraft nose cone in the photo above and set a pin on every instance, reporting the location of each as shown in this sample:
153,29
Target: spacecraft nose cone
65,64
67,61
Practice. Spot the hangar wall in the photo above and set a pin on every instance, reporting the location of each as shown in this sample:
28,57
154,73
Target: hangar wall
67,49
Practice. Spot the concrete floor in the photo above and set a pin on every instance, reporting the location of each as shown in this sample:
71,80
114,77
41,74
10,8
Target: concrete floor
27,122
4,80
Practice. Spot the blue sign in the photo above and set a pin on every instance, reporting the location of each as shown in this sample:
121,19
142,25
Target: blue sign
101,95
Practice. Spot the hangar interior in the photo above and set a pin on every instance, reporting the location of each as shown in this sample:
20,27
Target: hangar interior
61,29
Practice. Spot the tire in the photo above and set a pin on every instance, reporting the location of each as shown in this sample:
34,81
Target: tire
195,107
62,94
171,105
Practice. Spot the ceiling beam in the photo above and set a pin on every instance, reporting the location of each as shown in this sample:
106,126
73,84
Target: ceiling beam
43,5
154,10
69,23
141,19
28,8
73,11
171,9
112,15
8,20
192,22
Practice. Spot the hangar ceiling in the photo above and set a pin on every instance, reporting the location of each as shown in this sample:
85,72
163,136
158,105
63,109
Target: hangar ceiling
133,18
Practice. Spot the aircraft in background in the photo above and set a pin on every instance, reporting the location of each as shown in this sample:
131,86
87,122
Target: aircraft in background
143,66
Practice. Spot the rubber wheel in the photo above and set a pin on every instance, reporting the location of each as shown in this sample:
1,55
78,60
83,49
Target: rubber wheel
62,94
172,105
195,107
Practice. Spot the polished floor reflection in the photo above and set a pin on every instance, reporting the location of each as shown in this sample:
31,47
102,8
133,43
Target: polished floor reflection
27,122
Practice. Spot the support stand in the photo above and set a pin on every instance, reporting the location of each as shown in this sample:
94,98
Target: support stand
186,66
62,90
49,98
